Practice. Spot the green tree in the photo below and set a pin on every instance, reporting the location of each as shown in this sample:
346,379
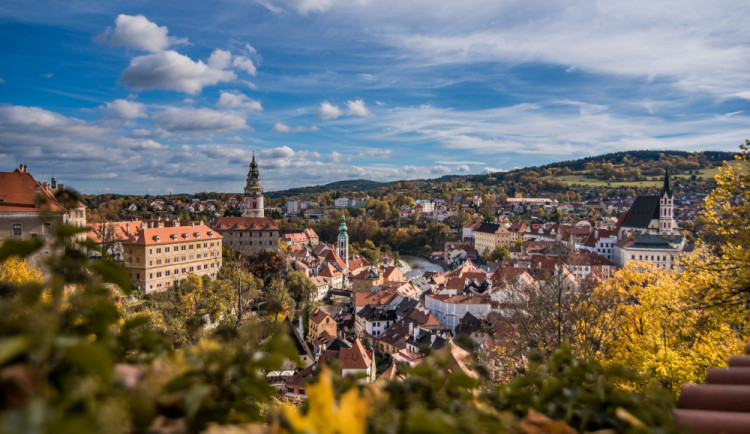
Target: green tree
500,253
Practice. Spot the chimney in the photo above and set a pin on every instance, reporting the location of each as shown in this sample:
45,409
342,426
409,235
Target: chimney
300,328
127,228
411,328
160,223
60,187
176,223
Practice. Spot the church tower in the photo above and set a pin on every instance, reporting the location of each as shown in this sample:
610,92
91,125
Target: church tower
253,202
343,244
666,207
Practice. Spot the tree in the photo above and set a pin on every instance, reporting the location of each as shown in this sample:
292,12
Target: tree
652,329
500,253
300,288
724,247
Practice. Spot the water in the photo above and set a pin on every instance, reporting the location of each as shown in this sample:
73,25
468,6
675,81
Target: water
419,266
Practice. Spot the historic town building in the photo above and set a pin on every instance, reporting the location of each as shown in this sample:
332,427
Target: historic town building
252,232
253,201
163,253
647,232
29,208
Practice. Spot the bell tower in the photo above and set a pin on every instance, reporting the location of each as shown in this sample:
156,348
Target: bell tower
666,207
253,201
343,243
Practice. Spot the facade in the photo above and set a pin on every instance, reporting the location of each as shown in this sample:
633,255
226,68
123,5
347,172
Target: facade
320,321
660,250
488,236
248,234
253,201
159,257
449,309
29,208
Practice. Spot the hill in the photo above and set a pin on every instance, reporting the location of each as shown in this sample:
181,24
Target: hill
626,168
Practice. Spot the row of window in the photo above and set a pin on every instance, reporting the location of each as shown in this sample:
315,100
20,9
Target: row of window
182,247
177,271
17,229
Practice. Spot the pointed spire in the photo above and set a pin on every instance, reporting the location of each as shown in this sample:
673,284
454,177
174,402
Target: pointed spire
343,228
53,181
667,187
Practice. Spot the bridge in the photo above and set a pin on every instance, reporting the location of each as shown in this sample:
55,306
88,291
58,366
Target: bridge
339,291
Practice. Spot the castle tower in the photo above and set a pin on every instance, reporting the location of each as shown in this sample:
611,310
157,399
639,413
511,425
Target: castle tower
253,201
666,207
343,244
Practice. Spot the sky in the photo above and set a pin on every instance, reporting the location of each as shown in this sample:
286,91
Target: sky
152,97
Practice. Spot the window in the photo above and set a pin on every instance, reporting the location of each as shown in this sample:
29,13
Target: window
46,228
158,274
301,391
290,390
183,248
166,250
166,273
158,250
17,232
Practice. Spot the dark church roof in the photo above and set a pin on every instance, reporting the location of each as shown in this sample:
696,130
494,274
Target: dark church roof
644,209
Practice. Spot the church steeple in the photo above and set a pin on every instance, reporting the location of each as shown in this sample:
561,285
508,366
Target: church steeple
253,201
667,187
666,207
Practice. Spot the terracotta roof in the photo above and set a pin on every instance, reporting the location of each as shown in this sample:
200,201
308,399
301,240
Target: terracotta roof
17,193
329,271
310,233
318,315
720,406
318,281
296,238
374,298
461,298
245,224
325,339
423,318
355,357
123,230
332,256
389,271
170,235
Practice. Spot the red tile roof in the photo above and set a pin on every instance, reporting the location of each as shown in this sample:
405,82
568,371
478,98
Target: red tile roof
245,224
355,357
17,193
318,315
174,234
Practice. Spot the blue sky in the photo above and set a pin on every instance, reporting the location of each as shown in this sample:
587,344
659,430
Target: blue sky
159,97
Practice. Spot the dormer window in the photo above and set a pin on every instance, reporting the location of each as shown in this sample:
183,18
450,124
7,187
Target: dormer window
210,233
185,236
156,238
197,234
174,236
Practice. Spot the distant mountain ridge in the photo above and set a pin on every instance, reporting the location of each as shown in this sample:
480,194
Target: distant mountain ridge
631,158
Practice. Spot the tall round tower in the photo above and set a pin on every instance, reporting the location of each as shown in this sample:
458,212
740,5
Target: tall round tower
343,243
253,202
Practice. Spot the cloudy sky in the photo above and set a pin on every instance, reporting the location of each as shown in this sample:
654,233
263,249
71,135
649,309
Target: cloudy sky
158,97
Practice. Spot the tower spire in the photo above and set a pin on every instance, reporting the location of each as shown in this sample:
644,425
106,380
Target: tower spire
667,187
253,201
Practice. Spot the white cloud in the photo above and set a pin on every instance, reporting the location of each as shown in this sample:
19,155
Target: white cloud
440,170
220,59
238,101
125,109
328,111
171,70
280,127
202,119
357,108
463,168
244,64
138,32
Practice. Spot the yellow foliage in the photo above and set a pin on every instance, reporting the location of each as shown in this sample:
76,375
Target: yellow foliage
324,415
654,330
16,271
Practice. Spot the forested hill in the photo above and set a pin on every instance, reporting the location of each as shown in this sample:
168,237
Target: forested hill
626,166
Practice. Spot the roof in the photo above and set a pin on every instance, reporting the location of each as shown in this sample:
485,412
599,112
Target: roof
173,234
461,298
355,357
18,194
374,298
318,315
329,271
122,230
370,313
245,224
643,210
489,228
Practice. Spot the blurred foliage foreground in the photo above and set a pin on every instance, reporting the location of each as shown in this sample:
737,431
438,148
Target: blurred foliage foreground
71,362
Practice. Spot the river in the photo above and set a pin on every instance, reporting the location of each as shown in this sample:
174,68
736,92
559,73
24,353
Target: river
417,266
